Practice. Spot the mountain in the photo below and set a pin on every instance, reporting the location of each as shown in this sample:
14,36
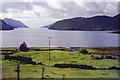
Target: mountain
4,26
96,23
47,26
14,23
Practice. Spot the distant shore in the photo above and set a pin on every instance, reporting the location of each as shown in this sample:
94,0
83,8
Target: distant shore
63,47
116,32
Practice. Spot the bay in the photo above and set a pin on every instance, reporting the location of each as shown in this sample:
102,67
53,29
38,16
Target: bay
39,38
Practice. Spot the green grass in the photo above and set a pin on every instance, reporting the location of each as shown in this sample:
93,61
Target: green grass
31,71
34,71
109,50
0,66
67,57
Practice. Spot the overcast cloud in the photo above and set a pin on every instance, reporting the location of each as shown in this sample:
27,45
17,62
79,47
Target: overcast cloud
36,14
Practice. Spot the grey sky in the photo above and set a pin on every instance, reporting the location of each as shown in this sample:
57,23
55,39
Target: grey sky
36,14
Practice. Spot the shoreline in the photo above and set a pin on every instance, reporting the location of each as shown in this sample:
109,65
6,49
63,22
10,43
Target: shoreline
65,47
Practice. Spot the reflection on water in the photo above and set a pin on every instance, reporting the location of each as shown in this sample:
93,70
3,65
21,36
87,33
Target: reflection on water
39,38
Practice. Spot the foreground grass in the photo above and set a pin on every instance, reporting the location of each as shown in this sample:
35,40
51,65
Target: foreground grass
34,71
0,66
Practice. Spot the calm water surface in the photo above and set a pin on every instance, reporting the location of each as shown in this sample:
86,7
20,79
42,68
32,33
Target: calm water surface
39,38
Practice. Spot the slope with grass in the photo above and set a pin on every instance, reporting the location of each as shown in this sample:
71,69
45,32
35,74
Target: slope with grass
67,57
34,71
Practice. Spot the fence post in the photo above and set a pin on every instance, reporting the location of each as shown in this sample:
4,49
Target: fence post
43,69
63,76
18,71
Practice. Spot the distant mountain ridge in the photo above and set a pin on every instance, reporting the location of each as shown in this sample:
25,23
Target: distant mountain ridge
96,23
14,23
4,26
11,24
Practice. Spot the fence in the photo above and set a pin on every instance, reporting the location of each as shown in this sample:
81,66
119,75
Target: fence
44,73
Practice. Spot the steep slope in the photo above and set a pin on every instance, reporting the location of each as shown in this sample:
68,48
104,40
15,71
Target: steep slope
14,23
97,23
47,26
4,26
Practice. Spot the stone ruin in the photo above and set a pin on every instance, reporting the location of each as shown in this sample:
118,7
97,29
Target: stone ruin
23,47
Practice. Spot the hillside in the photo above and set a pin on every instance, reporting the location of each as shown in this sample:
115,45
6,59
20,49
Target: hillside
96,23
47,26
14,23
4,26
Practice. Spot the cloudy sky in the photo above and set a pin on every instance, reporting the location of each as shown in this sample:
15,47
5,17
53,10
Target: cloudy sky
37,13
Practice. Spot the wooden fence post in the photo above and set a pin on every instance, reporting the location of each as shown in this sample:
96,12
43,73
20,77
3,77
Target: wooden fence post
43,69
18,71
63,76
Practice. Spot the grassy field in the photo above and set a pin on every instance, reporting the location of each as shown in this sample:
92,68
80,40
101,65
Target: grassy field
34,71
31,71
66,57
110,50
